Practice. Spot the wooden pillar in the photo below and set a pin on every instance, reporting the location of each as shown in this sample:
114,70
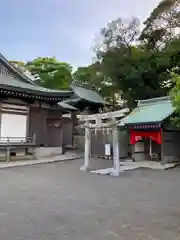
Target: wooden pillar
162,147
150,147
115,151
8,154
74,124
28,122
8,151
87,148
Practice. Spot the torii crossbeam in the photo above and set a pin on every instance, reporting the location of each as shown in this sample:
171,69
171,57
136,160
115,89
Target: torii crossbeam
98,126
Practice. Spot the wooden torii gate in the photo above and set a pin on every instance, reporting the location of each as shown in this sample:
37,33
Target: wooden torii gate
111,125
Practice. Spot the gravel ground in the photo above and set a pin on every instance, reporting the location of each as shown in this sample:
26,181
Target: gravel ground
58,202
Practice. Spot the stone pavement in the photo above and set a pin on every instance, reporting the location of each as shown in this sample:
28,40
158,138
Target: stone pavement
97,164
64,157
149,164
129,166
59,202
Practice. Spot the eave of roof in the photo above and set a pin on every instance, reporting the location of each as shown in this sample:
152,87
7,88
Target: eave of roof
67,106
72,100
12,84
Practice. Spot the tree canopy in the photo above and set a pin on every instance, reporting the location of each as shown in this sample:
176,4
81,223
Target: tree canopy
49,72
162,24
130,63
137,71
93,76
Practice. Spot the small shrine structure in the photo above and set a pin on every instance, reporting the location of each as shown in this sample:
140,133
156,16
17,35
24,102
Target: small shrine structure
152,135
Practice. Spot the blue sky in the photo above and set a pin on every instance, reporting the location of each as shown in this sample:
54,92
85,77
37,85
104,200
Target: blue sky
62,28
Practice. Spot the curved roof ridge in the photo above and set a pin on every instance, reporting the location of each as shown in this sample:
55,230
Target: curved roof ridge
154,100
15,70
86,86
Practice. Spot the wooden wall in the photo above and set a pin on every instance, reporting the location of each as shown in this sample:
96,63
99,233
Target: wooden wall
67,132
171,146
43,123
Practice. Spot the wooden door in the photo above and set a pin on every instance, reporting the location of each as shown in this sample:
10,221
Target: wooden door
67,131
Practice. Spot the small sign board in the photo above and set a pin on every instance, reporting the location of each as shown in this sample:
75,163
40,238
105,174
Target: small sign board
107,149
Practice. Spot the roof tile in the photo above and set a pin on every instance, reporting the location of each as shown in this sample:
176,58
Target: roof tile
150,111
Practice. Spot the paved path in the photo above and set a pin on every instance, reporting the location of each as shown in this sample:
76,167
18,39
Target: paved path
58,202
57,158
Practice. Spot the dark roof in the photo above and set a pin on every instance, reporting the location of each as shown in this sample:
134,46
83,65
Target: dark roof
88,94
72,100
24,84
83,97
10,83
14,70
67,106
154,110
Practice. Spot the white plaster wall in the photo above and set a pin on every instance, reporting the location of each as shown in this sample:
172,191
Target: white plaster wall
13,125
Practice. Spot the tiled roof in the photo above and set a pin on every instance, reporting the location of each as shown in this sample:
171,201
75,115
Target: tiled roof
24,84
67,106
88,94
10,66
10,83
150,111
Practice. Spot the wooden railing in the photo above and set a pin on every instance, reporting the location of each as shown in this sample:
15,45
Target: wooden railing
17,141
9,143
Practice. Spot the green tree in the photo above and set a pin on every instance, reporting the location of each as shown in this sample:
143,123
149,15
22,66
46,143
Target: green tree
162,24
140,75
175,94
50,73
19,65
137,72
93,75
120,33
171,51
